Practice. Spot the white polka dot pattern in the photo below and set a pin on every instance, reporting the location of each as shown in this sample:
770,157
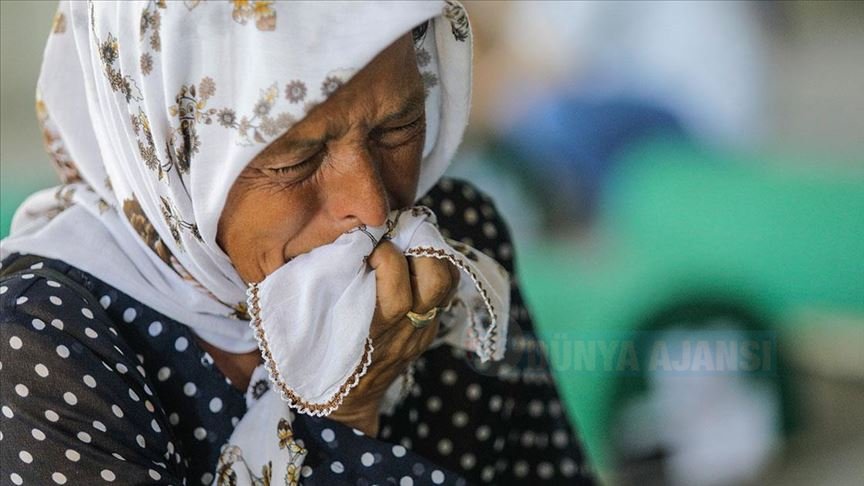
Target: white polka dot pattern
141,380
82,359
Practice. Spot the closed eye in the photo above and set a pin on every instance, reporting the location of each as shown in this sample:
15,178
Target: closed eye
299,167
406,127
395,136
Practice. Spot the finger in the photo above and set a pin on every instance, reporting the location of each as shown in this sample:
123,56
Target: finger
393,288
456,275
431,281
416,341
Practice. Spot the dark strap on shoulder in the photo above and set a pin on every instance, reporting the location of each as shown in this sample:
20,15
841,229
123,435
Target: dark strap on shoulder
21,265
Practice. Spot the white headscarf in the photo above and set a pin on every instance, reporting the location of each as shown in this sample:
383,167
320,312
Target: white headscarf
151,109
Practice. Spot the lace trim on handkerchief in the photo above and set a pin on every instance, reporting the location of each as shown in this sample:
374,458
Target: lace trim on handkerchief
288,394
487,339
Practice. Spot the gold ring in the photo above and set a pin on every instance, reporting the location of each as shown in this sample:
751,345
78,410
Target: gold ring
422,320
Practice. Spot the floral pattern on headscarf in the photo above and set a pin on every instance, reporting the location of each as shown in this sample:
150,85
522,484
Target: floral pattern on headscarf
242,11
189,110
62,161
261,124
58,23
458,21
109,54
144,228
151,21
260,10
232,459
295,91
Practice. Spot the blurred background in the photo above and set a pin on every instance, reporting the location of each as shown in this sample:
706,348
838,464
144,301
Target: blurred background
671,172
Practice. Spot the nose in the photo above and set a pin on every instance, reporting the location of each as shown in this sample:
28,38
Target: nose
356,194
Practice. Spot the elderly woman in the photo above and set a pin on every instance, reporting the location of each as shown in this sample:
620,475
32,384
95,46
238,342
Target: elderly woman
233,284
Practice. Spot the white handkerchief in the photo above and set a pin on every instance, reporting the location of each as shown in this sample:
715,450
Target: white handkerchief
312,316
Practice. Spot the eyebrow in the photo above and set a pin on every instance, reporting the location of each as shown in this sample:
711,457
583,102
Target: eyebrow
414,103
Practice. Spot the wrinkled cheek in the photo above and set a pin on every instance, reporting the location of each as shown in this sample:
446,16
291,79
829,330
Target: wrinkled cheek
303,224
284,216
402,173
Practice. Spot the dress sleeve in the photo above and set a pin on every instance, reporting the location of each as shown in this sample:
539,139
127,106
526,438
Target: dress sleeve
498,423
77,406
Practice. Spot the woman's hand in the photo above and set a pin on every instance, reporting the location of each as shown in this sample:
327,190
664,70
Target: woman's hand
403,284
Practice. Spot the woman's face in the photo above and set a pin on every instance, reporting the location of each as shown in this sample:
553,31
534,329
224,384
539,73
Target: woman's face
349,162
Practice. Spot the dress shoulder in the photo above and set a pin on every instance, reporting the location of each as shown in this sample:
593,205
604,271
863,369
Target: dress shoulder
467,214
77,404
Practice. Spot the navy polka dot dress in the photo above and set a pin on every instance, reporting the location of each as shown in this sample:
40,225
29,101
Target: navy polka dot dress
98,388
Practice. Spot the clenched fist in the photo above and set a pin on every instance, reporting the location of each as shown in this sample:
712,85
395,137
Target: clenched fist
403,284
